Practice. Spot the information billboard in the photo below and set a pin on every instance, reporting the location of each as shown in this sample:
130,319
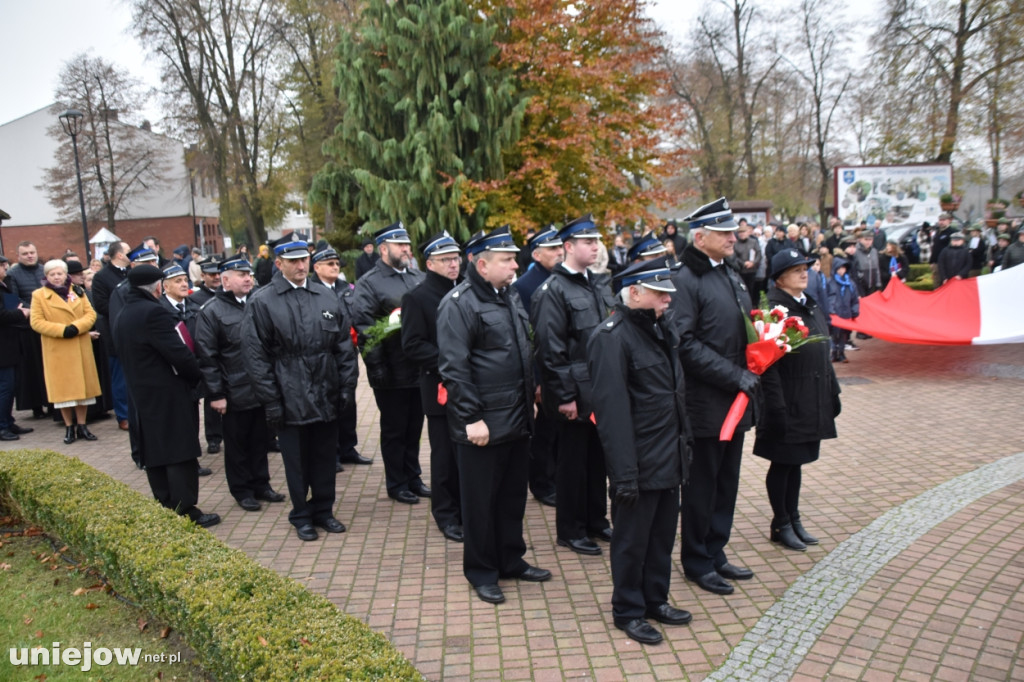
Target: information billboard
897,196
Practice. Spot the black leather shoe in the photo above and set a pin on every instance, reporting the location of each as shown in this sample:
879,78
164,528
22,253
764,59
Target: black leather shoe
69,435
331,525
212,448
453,532
269,495
732,572
419,490
534,574
785,536
84,433
338,468
18,430
307,533
581,546
249,504
207,520
204,471
712,582
604,535
405,497
355,458
798,529
670,615
7,434
547,500
491,594
640,630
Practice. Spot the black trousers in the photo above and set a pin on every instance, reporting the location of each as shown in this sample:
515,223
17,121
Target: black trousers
401,423
543,450
347,438
30,385
176,486
492,480
309,457
213,426
581,505
641,553
245,452
445,500
709,502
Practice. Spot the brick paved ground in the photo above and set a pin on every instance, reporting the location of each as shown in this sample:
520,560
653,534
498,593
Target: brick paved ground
949,607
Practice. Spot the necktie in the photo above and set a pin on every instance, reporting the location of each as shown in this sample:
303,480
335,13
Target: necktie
181,308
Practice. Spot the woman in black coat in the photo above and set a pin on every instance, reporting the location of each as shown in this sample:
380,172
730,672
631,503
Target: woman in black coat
801,397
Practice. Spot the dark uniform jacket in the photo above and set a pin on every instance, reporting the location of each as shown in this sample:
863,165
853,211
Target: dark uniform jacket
103,285
377,294
709,309
485,360
188,317
801,393
11,319
639,399
1014,255
219,347
939,243
954,261
419,336
296,345
564,311
161,373
529,283
201,294
344,292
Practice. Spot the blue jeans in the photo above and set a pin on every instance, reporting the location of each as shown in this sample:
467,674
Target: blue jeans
6,397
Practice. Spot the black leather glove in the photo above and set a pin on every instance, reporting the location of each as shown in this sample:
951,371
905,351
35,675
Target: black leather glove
376,367
345,399
275,415
70,331
749,382
626,493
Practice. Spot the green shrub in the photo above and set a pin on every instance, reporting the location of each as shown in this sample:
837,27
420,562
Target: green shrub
243,620
924,283
919,270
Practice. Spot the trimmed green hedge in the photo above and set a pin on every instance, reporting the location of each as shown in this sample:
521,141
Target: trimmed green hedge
223,603
919,270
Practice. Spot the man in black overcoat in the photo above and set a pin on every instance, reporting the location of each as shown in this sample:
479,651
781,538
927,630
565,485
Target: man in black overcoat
393,378
296,344
419,341
327,271
484,357
162,374
639,400
546,252
710,306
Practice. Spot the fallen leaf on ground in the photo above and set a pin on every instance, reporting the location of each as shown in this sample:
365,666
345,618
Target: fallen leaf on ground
166,631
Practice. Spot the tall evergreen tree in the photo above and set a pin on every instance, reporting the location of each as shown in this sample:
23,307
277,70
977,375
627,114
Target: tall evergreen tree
426,111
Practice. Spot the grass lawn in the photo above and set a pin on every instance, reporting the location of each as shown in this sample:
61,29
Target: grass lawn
49,604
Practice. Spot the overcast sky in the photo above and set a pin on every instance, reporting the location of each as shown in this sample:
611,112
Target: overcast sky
40,36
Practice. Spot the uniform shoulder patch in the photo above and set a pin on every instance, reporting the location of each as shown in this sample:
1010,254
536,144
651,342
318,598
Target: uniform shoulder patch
544,286
611,323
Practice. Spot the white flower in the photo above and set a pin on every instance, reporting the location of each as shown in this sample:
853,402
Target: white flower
395,317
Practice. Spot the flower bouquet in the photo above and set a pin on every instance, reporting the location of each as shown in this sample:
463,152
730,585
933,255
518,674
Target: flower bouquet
381,329
771,333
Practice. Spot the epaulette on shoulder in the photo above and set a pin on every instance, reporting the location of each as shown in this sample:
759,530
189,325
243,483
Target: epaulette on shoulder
459,289
614,320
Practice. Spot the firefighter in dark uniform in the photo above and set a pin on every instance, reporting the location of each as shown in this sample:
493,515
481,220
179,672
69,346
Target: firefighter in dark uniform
710,309
419,341
212,427
647,247
546,251
639,400
327,271
566,308
296,344
393,377
484,357
230,389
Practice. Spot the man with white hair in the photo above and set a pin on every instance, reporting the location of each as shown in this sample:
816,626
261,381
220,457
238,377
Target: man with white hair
710,308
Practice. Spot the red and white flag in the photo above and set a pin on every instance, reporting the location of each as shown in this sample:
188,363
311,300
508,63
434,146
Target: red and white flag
980,310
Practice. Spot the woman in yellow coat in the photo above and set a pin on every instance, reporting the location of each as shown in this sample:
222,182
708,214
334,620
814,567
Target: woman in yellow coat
64,318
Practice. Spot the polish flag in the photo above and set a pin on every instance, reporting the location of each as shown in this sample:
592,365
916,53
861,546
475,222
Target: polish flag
980,310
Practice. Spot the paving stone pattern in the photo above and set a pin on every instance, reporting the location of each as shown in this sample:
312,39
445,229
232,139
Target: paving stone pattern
915,594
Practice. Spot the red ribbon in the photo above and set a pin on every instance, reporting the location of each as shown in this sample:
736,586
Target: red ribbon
760,356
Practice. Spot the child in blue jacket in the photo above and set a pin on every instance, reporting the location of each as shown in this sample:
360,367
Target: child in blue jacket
844,302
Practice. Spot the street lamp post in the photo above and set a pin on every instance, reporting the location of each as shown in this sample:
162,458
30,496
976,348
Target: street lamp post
71,121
